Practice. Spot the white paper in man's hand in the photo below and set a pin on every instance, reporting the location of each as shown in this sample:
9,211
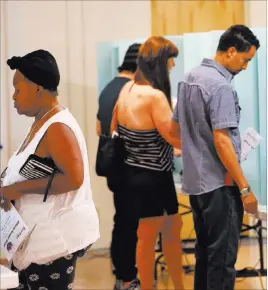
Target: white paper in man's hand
13,232
250,140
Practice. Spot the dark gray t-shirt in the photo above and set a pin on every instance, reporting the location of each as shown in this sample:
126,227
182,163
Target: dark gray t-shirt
107,101
206,102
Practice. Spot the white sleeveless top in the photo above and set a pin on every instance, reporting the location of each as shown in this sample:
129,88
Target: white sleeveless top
66,222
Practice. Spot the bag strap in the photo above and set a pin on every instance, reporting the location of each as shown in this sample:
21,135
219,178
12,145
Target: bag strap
50,179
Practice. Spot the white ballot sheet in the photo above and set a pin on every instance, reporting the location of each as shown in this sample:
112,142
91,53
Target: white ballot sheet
13,232
250,140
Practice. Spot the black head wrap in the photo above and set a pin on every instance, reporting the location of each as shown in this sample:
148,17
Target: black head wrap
40,67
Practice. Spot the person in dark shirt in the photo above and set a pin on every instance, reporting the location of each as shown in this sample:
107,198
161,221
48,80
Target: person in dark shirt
124,236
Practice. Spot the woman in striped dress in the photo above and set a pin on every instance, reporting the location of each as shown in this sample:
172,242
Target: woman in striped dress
142,118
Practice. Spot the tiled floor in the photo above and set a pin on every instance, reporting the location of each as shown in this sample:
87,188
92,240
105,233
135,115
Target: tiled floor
94,272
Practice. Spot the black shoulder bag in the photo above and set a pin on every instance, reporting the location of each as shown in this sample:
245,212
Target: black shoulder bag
111,152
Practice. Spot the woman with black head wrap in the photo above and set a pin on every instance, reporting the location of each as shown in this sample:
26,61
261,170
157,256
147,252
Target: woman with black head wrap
65,223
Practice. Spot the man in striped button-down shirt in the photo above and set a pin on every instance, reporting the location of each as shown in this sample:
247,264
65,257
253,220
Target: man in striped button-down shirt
206,118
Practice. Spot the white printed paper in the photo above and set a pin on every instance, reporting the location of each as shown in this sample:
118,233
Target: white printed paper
250,140
13,232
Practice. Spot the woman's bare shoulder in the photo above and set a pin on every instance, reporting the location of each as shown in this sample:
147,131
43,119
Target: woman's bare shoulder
151,92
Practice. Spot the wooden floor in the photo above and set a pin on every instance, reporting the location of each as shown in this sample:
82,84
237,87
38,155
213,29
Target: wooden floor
95,271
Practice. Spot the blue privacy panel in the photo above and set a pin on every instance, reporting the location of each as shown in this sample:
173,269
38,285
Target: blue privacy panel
250,85
262,90
110,56
106,68
176,75
252,92
198,46
178,71
246,85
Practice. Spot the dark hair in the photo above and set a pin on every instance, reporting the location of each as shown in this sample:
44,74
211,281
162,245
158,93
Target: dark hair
240,37
152,63
130,60
131,67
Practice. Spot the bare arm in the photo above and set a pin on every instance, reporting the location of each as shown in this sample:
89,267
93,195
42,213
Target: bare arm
227,155
162,117
175,132
222,111
63,148
98,127
113,126
223,116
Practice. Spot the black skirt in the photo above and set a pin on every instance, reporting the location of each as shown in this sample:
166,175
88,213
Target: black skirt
154,192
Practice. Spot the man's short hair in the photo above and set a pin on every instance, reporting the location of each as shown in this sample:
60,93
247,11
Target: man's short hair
130,60
238,36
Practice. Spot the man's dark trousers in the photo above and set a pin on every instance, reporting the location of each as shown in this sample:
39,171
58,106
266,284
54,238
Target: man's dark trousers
218,217
124,235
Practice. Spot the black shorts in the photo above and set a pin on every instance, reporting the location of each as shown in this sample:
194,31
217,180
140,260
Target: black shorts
154,192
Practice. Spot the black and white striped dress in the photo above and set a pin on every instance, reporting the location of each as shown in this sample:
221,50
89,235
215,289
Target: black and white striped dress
149,176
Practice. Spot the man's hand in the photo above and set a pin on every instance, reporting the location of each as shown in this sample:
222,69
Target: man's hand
250,203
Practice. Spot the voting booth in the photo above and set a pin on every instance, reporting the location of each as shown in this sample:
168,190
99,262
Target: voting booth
252,92
250,86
